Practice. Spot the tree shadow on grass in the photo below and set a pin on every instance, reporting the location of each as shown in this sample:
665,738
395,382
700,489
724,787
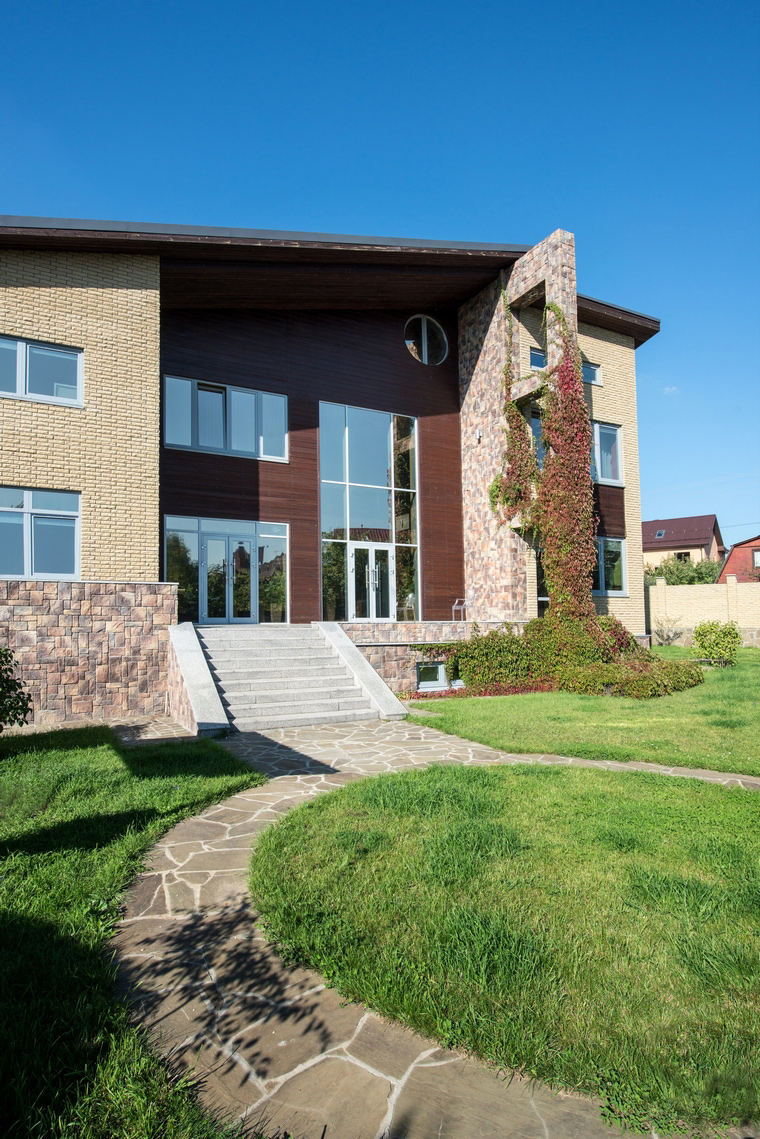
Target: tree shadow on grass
55,1004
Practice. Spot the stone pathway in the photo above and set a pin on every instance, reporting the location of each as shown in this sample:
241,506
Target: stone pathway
271,1045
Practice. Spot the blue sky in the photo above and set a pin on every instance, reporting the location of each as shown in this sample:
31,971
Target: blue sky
634,126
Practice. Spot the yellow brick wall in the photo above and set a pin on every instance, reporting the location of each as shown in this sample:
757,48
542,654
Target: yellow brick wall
107,305
614,402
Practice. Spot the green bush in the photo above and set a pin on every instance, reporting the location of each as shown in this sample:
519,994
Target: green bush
641,678
15,702
677,572
597,656
500,657
717,642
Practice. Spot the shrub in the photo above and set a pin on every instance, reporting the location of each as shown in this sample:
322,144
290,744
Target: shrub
715,642
640,678
677,572
15,702
553,642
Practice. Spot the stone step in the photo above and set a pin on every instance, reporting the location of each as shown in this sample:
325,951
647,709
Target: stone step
300,720
276,670
216,633
267,683
245,697
280,652
246,708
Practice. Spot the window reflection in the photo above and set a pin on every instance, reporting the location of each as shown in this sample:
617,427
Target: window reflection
273,600
369,447
369,511
333,581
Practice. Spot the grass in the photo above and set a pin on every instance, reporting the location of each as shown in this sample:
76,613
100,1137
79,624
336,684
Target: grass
77,814
715,725
593,929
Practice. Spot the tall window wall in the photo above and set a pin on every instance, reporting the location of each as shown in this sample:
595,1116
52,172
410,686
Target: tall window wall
368,466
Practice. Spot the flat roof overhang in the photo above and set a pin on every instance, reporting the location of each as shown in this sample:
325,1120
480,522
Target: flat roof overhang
217,267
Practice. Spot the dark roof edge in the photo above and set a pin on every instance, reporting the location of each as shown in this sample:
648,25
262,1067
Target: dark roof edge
8,221
592,302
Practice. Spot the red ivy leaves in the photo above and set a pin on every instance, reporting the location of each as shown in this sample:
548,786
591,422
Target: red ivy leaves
556,501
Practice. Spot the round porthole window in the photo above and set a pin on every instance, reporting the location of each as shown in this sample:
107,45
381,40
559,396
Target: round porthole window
426,340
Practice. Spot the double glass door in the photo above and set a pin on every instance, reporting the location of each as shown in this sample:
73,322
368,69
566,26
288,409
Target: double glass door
226,580
371,582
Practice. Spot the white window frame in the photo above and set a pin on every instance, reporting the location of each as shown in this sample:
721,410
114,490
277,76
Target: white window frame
535,367
22,373
596,455
597,372
226,388
756,559
29,513
603,591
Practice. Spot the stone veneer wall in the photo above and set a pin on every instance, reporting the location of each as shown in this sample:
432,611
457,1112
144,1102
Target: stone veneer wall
498,563
386,647
106,304
90,650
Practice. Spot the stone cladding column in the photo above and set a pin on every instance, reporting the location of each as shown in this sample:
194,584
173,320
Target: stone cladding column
496,558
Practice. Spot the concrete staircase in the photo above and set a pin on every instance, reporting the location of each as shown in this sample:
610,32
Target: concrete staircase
281,676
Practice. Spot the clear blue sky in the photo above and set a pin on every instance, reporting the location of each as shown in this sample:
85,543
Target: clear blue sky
634,126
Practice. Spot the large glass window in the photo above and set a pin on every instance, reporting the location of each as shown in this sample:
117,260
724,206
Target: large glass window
215,417
368,465
609,573
41,372
39,533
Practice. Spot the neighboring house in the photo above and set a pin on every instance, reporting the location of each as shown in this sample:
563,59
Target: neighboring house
688,539
293,427
743,561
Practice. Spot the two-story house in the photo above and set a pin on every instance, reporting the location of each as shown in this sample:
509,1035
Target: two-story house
292,427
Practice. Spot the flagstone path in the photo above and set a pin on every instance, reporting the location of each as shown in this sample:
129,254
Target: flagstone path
271,1045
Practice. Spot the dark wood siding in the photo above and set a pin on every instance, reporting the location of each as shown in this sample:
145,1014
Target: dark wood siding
351,358
609,505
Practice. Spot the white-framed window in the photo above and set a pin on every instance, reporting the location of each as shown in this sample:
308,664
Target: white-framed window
756,559
426,340
200,416
607,458
609,573
39,533
45,373
591,373
537,359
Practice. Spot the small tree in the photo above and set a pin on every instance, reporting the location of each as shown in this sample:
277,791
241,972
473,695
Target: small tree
717,642
15,701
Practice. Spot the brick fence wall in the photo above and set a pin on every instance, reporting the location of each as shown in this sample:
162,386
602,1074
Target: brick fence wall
386,647
680,607
90,649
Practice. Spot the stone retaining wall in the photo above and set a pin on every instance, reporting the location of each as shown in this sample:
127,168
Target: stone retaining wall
90,649
386,647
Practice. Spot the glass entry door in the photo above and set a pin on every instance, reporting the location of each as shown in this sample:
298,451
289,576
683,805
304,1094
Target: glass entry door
372,582
226,593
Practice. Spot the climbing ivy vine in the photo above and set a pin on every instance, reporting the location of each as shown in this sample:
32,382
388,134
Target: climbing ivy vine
555,503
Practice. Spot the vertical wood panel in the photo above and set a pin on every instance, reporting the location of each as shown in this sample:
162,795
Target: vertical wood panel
352,358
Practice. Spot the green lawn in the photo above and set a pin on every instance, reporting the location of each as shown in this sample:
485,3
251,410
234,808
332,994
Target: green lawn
715,725
595,929
77,814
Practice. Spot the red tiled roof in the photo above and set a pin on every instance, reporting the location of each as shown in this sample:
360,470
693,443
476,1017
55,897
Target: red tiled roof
695,531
